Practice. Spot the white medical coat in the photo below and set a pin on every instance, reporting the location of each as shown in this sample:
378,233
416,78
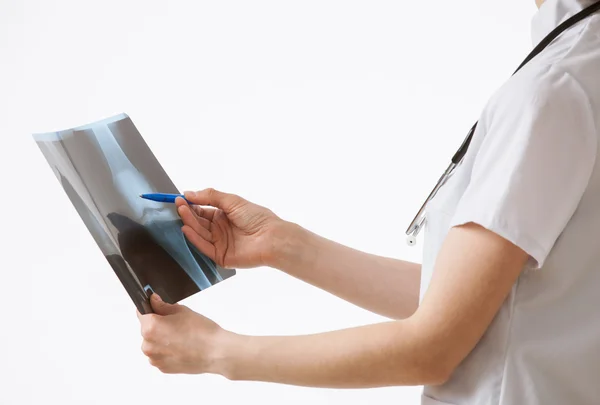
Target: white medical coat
531,175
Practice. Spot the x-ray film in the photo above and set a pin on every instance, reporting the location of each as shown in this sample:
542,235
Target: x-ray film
104,167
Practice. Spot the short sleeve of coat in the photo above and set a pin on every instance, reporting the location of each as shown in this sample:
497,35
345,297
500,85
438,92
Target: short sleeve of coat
533,164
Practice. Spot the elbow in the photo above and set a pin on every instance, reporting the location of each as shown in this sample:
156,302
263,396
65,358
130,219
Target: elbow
407,308
433,361
439,361
433,373
433,353
422,370
438,375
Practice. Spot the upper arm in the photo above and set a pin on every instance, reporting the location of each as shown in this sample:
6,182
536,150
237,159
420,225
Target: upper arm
474,273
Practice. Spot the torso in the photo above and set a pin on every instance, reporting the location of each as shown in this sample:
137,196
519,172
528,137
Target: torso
543,347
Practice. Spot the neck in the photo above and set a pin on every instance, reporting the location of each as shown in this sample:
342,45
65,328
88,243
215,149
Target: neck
538,3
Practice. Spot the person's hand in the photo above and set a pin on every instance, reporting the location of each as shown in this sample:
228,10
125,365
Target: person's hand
178,340
233,232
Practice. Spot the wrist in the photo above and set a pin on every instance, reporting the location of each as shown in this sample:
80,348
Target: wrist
290,246
229,357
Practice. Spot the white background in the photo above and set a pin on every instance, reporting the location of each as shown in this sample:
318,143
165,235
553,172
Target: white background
338,115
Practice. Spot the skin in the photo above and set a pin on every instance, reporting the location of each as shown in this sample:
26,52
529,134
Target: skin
247,235
474,273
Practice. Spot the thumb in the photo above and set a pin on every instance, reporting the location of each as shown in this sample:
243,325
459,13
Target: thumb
218,199
160,307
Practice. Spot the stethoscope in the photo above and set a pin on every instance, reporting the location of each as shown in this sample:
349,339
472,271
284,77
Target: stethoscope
419,220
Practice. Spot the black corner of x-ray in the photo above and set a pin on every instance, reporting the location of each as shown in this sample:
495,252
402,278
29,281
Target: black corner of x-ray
150,261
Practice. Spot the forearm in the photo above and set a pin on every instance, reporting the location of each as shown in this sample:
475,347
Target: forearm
386,286
386,354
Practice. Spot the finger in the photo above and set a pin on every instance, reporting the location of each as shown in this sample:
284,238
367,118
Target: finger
151,350
199,225
156,362
197,213
162,308
195,210
149,327
204,212
210,196
201,212
179,202
163,366
202,244
142,317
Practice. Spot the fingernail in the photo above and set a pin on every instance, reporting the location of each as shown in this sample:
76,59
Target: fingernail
156,297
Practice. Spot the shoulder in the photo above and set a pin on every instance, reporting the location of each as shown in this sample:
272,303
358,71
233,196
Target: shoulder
546,101
537,87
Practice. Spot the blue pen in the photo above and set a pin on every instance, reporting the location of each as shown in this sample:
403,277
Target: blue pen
162,197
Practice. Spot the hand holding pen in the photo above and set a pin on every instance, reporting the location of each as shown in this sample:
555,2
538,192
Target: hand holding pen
230,230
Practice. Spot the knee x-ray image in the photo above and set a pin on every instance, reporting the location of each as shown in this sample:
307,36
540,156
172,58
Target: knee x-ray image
104,167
